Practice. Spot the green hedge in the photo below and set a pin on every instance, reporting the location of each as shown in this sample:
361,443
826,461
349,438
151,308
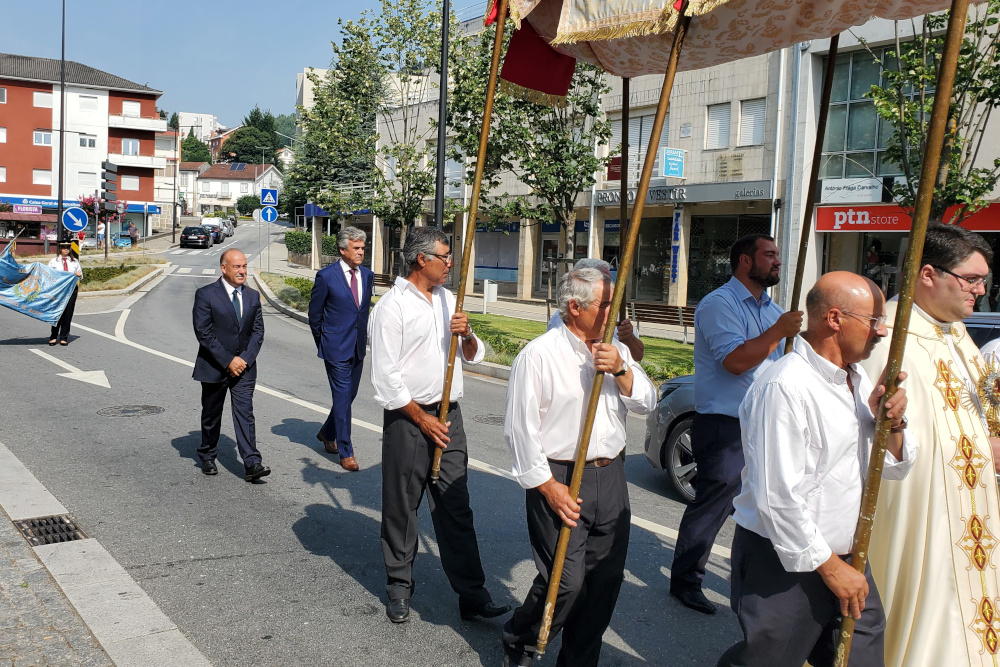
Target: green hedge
303,285
300,243
98,274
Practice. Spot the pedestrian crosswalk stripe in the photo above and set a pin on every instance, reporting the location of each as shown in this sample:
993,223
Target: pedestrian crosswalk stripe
184,270
196,252
208,272
179,252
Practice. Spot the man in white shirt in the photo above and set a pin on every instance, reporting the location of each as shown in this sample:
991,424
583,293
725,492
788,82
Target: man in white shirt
547,396
410,332
807,425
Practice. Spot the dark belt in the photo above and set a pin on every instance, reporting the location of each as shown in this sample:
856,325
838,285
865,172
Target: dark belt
594,463
436,407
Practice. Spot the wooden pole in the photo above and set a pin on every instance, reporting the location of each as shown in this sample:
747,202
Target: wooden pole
623,204
810,203
925,192
624,268
470,225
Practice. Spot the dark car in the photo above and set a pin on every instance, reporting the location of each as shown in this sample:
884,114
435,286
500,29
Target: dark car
668,428
196,237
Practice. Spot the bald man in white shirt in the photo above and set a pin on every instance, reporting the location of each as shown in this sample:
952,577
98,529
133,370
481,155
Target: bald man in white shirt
550,384
808,423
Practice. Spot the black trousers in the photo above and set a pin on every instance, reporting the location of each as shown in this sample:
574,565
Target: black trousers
593,571
790,617
407,457
213,398
718,451
61,330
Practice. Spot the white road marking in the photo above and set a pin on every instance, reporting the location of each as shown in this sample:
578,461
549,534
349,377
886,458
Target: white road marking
90,377
180,251
120,325
196,252
186,269
208,272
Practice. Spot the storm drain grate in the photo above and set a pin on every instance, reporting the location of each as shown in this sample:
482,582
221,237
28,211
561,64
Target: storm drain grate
50,530
496,420
130,411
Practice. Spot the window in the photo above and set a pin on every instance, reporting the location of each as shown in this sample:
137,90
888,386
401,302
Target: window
390,168
88,103
454,171
205,187
131,108
717,129
856,138
127,182
225,188
86,179
3,135
3,174
164,144
244,187
43,100
130,146
752,122
41,176
88,141
640,129
3,96
43,138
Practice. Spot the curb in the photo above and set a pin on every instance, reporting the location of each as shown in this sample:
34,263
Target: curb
482,368
125,291
277,303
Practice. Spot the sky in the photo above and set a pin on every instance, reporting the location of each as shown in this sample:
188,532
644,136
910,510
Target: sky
225,55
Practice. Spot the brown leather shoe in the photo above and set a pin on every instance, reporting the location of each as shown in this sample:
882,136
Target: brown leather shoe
330,445
350,463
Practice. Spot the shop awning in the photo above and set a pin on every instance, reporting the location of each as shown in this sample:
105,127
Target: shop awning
28,217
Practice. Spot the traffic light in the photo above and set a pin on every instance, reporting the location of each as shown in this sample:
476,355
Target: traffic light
109,185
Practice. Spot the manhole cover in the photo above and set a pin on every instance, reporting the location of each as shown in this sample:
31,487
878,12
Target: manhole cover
496,420
50,530
130,411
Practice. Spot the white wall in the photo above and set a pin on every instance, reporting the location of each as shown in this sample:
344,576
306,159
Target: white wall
79,121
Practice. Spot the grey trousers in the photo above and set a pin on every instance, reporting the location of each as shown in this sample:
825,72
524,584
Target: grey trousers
790,617
407,456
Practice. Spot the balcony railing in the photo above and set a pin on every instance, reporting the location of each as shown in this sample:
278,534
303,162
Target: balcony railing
148,161
156,124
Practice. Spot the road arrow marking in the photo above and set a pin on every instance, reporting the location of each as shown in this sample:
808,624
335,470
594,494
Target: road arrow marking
90,377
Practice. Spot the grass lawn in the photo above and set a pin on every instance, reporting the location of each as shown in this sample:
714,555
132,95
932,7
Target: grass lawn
142,267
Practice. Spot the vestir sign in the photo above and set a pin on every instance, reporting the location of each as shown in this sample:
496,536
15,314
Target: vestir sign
892,218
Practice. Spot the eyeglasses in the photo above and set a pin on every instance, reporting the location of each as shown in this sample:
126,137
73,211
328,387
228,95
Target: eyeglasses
972,282
444,258
877,322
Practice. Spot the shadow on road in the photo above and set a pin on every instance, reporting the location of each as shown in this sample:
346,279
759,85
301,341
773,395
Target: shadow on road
228,458
41,340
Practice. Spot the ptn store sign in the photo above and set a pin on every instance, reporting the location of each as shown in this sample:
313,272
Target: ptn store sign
892,218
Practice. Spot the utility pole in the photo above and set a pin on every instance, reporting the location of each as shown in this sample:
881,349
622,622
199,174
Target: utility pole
442,138
177,167
62,127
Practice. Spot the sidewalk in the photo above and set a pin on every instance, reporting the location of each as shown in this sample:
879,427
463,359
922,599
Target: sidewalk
274,259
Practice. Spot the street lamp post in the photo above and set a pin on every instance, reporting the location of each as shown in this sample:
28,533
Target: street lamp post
62,127
442,118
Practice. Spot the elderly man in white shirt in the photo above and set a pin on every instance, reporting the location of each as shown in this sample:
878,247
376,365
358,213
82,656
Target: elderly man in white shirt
808,423
550,384
410,333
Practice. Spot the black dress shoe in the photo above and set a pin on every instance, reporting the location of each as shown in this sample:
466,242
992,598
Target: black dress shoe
398,611
488,610
514,656
257,471
695,600
208,467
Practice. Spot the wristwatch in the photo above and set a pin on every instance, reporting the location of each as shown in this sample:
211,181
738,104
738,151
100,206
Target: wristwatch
622,372
902,425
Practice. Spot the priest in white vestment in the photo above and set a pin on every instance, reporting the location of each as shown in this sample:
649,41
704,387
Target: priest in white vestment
933,549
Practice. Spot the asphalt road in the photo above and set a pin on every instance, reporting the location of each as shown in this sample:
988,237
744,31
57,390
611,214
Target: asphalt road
289,572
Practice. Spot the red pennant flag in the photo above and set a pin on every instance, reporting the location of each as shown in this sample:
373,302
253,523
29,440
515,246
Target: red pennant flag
491,13
678,5
534,71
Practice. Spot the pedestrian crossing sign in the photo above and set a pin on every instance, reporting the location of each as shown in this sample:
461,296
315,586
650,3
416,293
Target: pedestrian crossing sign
268,197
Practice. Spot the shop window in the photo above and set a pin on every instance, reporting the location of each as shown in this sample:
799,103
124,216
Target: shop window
129,182
856,138
717,128
752,122
43,138
41,176
130,146
42,100
88,103
708,250
640,130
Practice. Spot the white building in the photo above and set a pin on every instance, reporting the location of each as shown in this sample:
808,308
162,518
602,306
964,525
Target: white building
304,88
220,186
203,124
187,185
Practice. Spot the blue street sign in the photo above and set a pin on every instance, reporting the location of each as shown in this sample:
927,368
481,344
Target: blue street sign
74,219
269,197
672,161
268,213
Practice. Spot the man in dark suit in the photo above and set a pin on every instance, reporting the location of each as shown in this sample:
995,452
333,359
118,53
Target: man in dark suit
338,317
229,325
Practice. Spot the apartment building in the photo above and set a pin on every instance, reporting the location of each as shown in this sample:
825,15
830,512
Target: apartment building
221,185
204,125
106,118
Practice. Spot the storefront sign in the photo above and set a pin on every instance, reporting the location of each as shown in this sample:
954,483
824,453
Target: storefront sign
615,169
701,192
30,210
672,163
675,249
892,218
854,190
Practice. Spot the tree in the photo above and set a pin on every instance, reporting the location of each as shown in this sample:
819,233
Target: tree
247,204
174,123
909,76
285,124
244,145
194,149
108,217
552,150
263,121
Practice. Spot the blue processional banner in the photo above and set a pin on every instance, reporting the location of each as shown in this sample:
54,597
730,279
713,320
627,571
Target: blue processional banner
35,289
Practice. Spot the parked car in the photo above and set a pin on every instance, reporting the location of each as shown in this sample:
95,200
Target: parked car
196,237
218,234
227,226
668,427
89,241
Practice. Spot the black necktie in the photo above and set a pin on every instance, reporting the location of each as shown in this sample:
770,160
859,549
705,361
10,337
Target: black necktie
236,305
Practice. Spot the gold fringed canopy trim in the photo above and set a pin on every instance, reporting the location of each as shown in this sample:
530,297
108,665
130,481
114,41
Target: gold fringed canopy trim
640,28
699,7
530,95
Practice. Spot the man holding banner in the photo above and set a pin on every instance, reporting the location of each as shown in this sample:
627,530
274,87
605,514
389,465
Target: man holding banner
67,262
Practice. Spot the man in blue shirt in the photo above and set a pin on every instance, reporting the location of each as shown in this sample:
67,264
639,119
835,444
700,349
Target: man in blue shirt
737,327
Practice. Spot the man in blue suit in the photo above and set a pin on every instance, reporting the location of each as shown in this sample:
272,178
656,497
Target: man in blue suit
338,316
229,326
